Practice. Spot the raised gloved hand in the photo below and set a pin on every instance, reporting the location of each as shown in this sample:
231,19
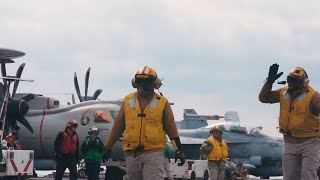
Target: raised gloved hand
273,73
106,155
179,155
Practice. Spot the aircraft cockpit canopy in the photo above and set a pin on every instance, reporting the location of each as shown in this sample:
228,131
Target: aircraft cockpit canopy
99,116
105,116
239,127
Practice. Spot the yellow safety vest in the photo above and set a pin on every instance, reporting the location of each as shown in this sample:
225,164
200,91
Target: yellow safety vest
219,150
144,129
296,118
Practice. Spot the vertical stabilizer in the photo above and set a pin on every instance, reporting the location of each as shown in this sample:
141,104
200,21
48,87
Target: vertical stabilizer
231,116
189,111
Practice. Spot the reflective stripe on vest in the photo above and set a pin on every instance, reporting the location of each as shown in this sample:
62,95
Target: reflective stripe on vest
219,150
69,143
297,120
144,129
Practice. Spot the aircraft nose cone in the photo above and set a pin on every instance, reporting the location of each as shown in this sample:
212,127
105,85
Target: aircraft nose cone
17,106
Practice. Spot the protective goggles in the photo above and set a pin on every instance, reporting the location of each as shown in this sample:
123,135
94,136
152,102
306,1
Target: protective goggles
140,81
94,132
74,125
295,80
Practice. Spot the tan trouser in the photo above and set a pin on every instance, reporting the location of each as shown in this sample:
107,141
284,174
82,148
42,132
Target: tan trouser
167,168
146,166
216,169
301,160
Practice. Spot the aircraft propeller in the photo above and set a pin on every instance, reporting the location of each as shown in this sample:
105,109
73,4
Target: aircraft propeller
16,108
76,85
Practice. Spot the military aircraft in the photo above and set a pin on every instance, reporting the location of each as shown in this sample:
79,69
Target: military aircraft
48,117
13,111
192,120
246,144
43,117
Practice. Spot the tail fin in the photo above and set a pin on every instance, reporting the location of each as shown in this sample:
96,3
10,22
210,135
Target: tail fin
189,111
231,116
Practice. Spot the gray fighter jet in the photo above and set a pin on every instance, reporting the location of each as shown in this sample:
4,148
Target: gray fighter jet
246,144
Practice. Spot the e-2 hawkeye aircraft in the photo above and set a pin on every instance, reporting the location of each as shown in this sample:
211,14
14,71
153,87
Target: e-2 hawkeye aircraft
47,118
246,143
43,117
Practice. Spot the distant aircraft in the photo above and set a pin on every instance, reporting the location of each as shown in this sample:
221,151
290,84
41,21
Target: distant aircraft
246,144
191,119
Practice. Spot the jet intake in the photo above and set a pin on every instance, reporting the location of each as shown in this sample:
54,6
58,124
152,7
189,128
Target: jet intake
256,160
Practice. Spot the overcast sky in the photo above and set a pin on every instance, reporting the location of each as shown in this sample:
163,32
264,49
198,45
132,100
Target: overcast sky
213,55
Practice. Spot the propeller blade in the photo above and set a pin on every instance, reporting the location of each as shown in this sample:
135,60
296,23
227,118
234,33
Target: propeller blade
73,100
76,85
96,94
18,75
87,84
2,90
3,71
7,126
28,97
26,124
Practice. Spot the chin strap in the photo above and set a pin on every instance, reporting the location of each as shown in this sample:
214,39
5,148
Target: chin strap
160,92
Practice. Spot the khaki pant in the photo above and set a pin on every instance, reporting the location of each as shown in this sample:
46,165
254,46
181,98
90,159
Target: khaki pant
146,166
167,168
216,169
301,160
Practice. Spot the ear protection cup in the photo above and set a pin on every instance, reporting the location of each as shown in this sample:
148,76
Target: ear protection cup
157,83
133,83
306,78
89,131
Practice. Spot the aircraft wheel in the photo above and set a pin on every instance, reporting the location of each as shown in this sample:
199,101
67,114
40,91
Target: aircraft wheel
206,175
82,174
193,175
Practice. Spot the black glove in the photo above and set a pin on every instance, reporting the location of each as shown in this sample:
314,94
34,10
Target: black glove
273,73
176,143
106,155
180,156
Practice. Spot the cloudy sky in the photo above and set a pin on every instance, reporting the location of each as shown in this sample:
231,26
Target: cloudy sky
213,55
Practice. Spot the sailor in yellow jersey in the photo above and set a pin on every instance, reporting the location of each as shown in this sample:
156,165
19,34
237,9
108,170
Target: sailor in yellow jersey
298,122
144,119
216,150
